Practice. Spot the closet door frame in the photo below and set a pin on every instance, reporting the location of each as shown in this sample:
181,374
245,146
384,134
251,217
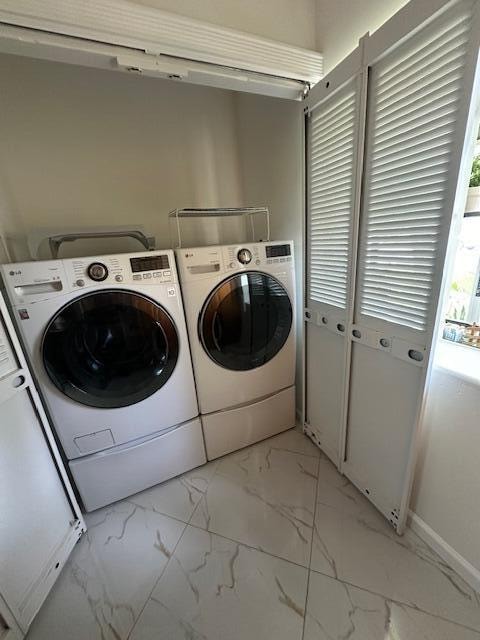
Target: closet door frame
414,17
351,71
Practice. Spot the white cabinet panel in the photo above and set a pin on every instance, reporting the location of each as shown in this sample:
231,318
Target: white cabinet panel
325,372
36,514
39,518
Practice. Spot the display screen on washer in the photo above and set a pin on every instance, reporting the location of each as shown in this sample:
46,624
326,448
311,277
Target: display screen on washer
110,349
245,321
149,263
278,250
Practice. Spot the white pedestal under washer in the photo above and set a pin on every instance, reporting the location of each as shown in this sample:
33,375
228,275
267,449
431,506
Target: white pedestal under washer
240,308
109,347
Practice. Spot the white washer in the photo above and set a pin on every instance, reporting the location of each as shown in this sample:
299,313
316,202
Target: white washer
109,347
240,309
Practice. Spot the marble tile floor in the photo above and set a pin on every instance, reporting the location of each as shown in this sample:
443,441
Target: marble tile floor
268,543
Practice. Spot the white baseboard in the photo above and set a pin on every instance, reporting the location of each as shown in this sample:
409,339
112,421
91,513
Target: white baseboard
467,571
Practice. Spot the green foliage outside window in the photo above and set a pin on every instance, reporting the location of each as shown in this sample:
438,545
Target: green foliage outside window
475,175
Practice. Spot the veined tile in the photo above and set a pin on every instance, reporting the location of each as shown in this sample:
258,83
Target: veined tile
295,442
109,576
337,491
217,589
177,497
362,549
336,611
264,497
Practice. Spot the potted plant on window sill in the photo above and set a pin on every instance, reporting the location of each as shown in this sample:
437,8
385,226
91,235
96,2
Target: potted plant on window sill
473,198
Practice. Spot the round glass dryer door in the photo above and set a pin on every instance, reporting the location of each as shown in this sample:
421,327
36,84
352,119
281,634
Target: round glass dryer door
110,349
245,321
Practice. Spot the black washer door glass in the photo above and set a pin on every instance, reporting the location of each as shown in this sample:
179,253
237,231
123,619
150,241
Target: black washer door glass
110,349
245,321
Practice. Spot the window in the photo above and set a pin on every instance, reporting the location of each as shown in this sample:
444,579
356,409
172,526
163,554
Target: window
463,303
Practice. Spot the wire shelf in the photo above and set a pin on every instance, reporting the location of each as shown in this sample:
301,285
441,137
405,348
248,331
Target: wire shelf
193,213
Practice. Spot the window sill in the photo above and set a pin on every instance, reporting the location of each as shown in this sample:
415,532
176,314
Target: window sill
458,360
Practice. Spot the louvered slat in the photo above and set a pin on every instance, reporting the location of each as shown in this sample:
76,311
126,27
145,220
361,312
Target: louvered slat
412,126
331,164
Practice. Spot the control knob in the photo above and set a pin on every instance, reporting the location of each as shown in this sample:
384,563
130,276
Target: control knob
97,271
244,256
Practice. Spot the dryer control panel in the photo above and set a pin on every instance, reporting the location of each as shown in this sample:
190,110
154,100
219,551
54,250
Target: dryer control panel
276,253
199,263
239,256
257,255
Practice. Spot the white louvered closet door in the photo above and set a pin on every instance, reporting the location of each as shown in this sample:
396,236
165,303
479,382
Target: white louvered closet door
417,119
334,137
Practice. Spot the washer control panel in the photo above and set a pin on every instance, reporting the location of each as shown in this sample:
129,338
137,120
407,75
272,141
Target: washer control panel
148,268
152,268
35,281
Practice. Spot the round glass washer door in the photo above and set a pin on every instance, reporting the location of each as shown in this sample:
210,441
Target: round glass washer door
110,349
245,321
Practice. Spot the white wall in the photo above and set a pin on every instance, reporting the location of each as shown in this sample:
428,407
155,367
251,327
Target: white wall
447,483
91,147
284,20
341,23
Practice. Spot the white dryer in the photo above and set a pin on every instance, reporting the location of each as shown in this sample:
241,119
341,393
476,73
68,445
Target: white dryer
109,347
240,308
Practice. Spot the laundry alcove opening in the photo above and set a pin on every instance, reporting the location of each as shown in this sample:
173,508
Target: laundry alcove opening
85,148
